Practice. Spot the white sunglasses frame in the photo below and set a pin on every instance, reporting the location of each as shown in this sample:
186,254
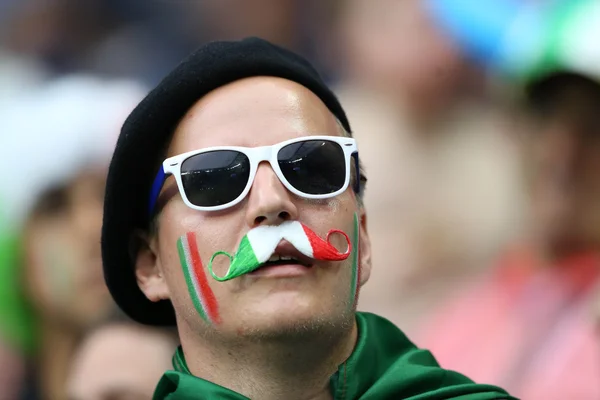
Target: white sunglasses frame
257,155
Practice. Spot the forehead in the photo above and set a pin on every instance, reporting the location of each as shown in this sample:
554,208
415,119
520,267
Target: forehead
120,357
252,112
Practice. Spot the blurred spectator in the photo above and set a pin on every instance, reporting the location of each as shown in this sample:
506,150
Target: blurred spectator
443,174
12,370
125,38
296,24
120,361
52,129
63,273
16,330
531,324
394,48
274,20
45,30
145,40
17,74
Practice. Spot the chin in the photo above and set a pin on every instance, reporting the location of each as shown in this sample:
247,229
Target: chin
286,316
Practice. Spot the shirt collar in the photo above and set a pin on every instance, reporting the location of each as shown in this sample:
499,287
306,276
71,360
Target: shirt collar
384,364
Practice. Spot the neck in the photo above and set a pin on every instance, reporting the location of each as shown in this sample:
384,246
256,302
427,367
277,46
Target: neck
294,369
57,347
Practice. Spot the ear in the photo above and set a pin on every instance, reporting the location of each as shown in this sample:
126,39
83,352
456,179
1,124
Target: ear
364,247
148,270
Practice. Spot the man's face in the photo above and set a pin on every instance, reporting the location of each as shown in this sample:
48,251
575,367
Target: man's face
256,112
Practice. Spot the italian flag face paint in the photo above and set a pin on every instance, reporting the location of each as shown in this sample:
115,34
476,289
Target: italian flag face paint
356,270
202,295
259,244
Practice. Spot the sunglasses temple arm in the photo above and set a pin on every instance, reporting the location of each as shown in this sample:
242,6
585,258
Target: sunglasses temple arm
156,188
357,170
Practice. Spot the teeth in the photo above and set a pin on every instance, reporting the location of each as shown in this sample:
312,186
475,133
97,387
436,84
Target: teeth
277,257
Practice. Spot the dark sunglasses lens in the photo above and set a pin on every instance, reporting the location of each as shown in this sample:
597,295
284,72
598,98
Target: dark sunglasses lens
215,177
313,166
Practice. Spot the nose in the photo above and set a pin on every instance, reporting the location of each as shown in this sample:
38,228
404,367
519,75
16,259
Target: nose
269,202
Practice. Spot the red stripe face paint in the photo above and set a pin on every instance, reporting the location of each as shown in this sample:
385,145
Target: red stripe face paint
323,249
201,294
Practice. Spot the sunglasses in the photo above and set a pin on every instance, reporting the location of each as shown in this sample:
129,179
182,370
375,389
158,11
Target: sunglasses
215,178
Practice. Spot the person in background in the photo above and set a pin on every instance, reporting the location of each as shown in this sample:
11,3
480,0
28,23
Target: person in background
63,273
532,323
17,333
53,127
444,191
536,313
120,360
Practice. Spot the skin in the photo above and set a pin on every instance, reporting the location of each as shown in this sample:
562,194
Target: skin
63,276
395,48
12,371
563,158
64,268
119,362
278,338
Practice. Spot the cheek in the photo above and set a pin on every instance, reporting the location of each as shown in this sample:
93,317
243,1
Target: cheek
184,259
56,270
213,231
333,211
197,279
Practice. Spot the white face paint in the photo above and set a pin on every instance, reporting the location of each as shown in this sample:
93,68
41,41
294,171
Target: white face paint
260,244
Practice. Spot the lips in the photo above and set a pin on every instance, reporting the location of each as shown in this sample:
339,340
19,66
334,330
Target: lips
286,254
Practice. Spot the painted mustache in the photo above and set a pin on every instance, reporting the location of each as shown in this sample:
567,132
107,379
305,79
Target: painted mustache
259,244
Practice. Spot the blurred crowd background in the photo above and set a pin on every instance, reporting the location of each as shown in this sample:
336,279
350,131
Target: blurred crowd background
479,126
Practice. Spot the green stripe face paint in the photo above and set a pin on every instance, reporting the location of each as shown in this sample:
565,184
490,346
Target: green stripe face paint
200,291
356,270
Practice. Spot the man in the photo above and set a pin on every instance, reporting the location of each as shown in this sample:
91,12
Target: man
233,209
120,360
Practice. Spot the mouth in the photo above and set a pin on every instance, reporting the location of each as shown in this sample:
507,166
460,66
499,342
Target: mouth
286,261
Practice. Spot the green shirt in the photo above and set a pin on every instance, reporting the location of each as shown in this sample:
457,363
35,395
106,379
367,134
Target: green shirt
17,319
384,365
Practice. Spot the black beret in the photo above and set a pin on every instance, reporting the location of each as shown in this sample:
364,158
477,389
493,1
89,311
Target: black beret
145,136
